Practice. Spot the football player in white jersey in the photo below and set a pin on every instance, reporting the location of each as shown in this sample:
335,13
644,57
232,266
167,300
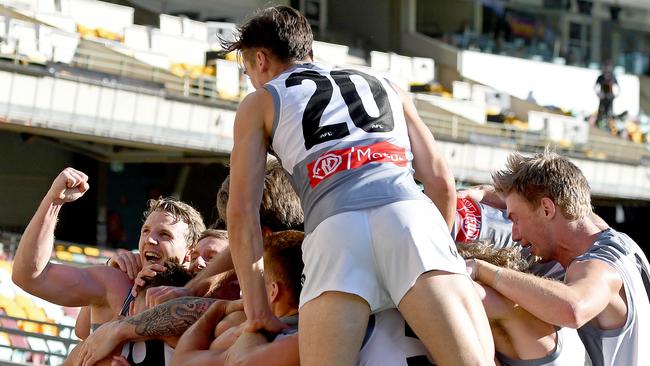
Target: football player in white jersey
520,338
605,294
351,144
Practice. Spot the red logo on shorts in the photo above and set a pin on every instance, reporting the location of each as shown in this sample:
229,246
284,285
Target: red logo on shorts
354,157
469,220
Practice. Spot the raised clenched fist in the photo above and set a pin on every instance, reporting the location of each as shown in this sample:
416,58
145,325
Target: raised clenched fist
68,186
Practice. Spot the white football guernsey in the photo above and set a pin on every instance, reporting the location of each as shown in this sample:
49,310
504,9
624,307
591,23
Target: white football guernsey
569,351
391,342
341,137
628,345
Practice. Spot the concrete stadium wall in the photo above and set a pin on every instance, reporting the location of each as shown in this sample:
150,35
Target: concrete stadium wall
27,169
568,87
95,110
365,19
474,163
105,110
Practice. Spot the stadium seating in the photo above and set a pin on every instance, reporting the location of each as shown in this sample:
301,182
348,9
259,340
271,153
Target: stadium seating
31,329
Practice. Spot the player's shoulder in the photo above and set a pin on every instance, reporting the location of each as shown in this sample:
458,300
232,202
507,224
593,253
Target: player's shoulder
111,277
259,98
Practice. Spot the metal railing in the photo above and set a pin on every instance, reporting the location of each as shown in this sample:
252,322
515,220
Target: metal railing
66,341
110,62
600,145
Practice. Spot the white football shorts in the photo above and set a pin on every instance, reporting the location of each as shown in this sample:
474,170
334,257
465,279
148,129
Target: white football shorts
378,253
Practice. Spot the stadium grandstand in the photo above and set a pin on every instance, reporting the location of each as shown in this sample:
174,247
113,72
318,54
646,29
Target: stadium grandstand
137,94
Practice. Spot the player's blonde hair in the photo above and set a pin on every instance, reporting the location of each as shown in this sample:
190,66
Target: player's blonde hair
546,174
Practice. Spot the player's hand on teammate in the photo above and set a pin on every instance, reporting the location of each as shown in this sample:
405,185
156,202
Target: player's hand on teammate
100,344
160,294
127,262
68,186
119,361
485,193
472,268
193,346
147,272
269,324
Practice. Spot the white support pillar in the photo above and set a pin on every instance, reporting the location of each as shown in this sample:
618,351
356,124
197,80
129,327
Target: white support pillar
596,38
409,18
478,17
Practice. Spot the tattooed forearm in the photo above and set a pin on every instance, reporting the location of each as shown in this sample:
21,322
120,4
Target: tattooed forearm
171,318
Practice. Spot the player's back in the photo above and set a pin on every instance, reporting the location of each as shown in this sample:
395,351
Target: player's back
341,136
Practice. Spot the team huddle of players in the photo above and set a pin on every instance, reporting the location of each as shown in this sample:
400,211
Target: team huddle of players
339,256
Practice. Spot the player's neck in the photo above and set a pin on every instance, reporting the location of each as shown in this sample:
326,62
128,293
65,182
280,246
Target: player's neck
579,235
294,63
283,308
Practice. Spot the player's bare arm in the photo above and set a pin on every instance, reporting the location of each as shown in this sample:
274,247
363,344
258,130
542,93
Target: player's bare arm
591,286
194,347
517,333
218,271
167,321
255,349
429,164
247,168
60,284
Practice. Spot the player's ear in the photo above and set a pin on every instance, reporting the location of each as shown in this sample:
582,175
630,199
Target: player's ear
262,58
132,308
275,292
266,232
549,208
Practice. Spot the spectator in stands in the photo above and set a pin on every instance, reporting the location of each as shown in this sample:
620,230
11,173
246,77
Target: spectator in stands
605,290
607,89
279,210
519,337
355,178
170,228
158,351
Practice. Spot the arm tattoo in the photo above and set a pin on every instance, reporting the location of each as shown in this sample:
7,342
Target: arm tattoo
171,318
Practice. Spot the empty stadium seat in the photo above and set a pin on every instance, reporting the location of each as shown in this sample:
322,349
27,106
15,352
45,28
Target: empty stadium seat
75,249
59,21
5,344
56,347
170,24
218,31
25,35
3,30
179,49
57,45
105,19
79,258
64,255
37,344
137,37
227,79
16,340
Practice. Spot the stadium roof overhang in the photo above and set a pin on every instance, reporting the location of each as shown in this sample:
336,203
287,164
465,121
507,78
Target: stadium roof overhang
111,150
